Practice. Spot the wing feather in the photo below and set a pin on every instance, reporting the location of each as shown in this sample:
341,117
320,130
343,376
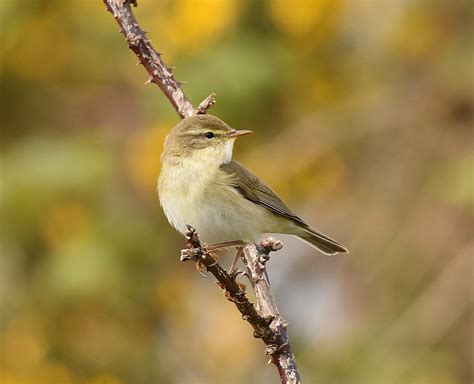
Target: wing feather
255,190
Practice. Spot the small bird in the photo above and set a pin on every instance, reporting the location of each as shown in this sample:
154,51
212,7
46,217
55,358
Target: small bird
200,185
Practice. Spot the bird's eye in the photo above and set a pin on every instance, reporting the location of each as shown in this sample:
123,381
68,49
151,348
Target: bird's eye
209,135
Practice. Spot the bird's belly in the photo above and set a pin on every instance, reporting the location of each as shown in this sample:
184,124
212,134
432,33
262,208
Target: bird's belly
226,220
217,214
180,208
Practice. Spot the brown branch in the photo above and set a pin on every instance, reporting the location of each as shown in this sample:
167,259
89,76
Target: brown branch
232,290
207,103
160,73
265,319
255,259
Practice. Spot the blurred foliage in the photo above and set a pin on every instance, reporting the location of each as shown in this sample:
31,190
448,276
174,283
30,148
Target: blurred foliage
363,113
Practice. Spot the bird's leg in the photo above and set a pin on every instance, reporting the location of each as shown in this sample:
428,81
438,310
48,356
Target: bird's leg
237,256
212,247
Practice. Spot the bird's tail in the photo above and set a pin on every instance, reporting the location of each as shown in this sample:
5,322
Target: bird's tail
321,242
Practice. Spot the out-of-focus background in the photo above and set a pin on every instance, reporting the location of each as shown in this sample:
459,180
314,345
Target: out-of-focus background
363,111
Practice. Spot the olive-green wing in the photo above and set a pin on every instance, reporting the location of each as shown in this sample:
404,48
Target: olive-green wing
253,189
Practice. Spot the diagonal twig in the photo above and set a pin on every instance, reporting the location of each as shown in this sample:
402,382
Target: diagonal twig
160,73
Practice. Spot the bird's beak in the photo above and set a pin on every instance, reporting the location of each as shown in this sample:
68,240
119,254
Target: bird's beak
241,132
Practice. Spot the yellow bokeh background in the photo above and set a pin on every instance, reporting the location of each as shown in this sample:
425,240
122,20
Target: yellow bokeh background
362,112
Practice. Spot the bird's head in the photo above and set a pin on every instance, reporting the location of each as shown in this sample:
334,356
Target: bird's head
203,136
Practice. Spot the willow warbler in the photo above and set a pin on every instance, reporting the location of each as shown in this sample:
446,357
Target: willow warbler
202,186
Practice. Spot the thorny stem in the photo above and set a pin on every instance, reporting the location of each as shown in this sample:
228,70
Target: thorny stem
266,320
160,73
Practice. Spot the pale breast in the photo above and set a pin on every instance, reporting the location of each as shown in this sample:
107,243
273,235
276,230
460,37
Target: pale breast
194,191
180,190
192,194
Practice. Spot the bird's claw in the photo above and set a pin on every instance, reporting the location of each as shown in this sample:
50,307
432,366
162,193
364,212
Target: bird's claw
235,274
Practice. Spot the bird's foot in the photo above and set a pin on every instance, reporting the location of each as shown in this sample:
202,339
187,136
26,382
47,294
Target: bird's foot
237,256
234,275
227,244
197,252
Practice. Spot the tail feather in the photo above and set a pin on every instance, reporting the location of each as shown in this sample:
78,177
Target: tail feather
322,242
